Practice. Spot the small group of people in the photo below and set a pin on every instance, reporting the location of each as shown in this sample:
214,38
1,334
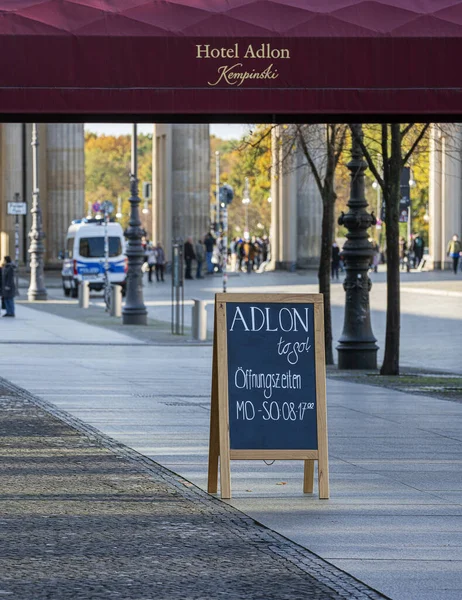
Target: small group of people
155,260
198,252
8,286
249,253
411,255
244,254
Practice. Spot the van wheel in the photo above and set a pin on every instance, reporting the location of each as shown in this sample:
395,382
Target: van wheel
75,292
67,291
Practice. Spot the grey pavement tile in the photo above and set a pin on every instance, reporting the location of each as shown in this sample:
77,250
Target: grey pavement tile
409,580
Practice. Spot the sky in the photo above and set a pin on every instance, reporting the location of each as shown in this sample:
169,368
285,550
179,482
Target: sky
223,131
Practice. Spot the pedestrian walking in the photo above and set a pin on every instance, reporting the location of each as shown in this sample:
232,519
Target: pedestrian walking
454,250
418,249
249,255
233,253
240,254
199,250
375,257
160,262
9,286
209,243
189,256
2,299
152,259
335,263
403,255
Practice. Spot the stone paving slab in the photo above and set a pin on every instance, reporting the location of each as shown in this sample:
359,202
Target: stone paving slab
85,518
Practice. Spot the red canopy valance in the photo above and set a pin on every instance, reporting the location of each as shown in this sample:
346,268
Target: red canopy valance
230,57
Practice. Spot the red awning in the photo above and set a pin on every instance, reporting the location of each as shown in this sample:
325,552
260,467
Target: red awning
230,57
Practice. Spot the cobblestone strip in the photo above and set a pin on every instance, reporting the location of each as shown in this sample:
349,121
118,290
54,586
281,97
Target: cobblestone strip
163,537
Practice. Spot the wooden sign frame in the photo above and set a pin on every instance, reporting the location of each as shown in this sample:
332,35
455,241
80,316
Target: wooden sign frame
220,452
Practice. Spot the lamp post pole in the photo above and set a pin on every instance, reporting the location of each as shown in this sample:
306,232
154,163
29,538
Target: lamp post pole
357,348
246,202
134,311
217,199
37,290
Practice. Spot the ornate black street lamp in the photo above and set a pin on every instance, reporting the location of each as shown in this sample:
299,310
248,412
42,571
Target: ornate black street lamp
134,311
37,290
357,348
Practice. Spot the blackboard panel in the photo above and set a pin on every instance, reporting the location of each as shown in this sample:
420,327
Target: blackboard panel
271,376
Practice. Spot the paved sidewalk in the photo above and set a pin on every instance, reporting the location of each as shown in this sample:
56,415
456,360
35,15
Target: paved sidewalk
84,518
430,308
394,517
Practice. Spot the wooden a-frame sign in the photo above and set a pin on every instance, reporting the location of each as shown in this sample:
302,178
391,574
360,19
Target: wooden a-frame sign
268,385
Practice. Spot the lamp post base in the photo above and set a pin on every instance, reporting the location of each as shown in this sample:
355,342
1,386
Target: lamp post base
37,295
357,356
134,317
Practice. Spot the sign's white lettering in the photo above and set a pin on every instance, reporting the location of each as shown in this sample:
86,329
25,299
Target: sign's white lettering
285,319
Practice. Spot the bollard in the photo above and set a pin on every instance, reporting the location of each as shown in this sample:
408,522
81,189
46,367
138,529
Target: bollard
199,320
84,294
116,300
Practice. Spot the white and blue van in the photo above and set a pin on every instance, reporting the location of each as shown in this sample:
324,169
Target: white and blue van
84,256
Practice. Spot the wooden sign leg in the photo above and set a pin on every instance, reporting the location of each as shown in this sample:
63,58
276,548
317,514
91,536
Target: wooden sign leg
214,442
308,477
323,474
321,409
223,416
214,435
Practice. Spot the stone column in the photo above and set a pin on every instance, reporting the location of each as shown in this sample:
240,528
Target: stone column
181,182
275,196
445,194
296,207
309,212
65,182
452,198
434,198
12,183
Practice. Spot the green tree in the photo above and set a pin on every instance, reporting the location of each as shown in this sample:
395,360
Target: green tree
240,159
107,168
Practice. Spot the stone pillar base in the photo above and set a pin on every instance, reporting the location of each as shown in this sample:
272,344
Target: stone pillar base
286,266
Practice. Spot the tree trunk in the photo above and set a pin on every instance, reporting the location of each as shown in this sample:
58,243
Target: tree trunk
390,364
324,271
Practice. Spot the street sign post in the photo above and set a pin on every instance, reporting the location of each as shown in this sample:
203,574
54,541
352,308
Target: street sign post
17,208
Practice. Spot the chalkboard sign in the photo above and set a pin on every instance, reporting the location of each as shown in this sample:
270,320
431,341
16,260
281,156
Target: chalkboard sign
268,384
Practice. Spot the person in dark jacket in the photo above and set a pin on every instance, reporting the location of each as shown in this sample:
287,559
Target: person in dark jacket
160,262
335,260
209,243
189,256
417,248
200,256
8,286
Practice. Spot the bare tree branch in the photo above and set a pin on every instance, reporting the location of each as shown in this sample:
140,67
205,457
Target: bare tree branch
310,160
416,143
340,144
406,130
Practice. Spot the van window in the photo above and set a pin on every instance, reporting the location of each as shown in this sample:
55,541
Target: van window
69,247
93,247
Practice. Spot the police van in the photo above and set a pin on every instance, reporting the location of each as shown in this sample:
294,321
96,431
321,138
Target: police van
84,256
